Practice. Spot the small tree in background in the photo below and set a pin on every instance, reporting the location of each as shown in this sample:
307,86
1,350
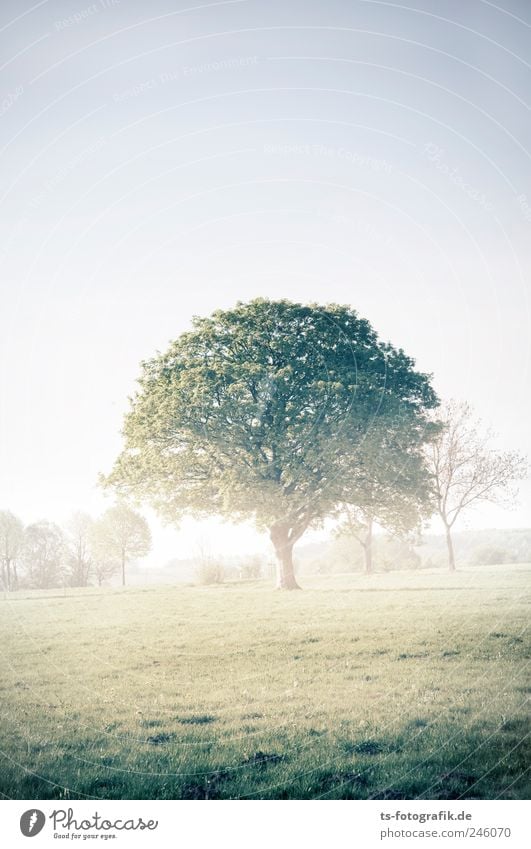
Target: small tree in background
11,541
103,568
209,569
79,533
252,569
400,517
391,489
121,535
467,470
43,555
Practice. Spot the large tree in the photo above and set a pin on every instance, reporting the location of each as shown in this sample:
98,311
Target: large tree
119,536
467,470
253,411
11,538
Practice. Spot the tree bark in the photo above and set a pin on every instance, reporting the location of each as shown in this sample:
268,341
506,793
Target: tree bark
279,535
451,555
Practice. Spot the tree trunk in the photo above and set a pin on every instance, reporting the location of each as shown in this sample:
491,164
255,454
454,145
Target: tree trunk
367,548
451,555
284,552
123,569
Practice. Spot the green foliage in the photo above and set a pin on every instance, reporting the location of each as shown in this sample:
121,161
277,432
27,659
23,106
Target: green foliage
273,410
119,536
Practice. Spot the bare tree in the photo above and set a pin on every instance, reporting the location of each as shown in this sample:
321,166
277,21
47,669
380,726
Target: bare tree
79,528
11,537
208,568
467,470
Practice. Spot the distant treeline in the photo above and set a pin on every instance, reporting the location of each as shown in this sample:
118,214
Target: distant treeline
473,548
485,547
44,555
345,554
87,552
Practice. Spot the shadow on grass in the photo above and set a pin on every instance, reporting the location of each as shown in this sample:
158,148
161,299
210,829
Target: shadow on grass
425,760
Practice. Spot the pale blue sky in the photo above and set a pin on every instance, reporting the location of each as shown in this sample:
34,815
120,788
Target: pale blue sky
165,159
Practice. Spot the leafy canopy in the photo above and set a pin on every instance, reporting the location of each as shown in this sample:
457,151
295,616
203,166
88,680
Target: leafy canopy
269,410
121,534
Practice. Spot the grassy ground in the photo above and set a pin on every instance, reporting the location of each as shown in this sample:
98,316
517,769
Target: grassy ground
393,686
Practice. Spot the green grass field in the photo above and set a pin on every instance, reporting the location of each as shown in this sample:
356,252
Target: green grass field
402,685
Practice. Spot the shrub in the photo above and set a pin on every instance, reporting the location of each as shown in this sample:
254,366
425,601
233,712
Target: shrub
210,572
490,555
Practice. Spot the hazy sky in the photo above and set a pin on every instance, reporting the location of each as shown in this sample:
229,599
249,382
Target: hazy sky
163,159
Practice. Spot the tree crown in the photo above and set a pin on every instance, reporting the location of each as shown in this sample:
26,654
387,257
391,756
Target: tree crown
120,533
254,411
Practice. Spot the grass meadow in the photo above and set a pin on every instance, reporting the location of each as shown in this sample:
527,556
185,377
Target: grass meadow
391,686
